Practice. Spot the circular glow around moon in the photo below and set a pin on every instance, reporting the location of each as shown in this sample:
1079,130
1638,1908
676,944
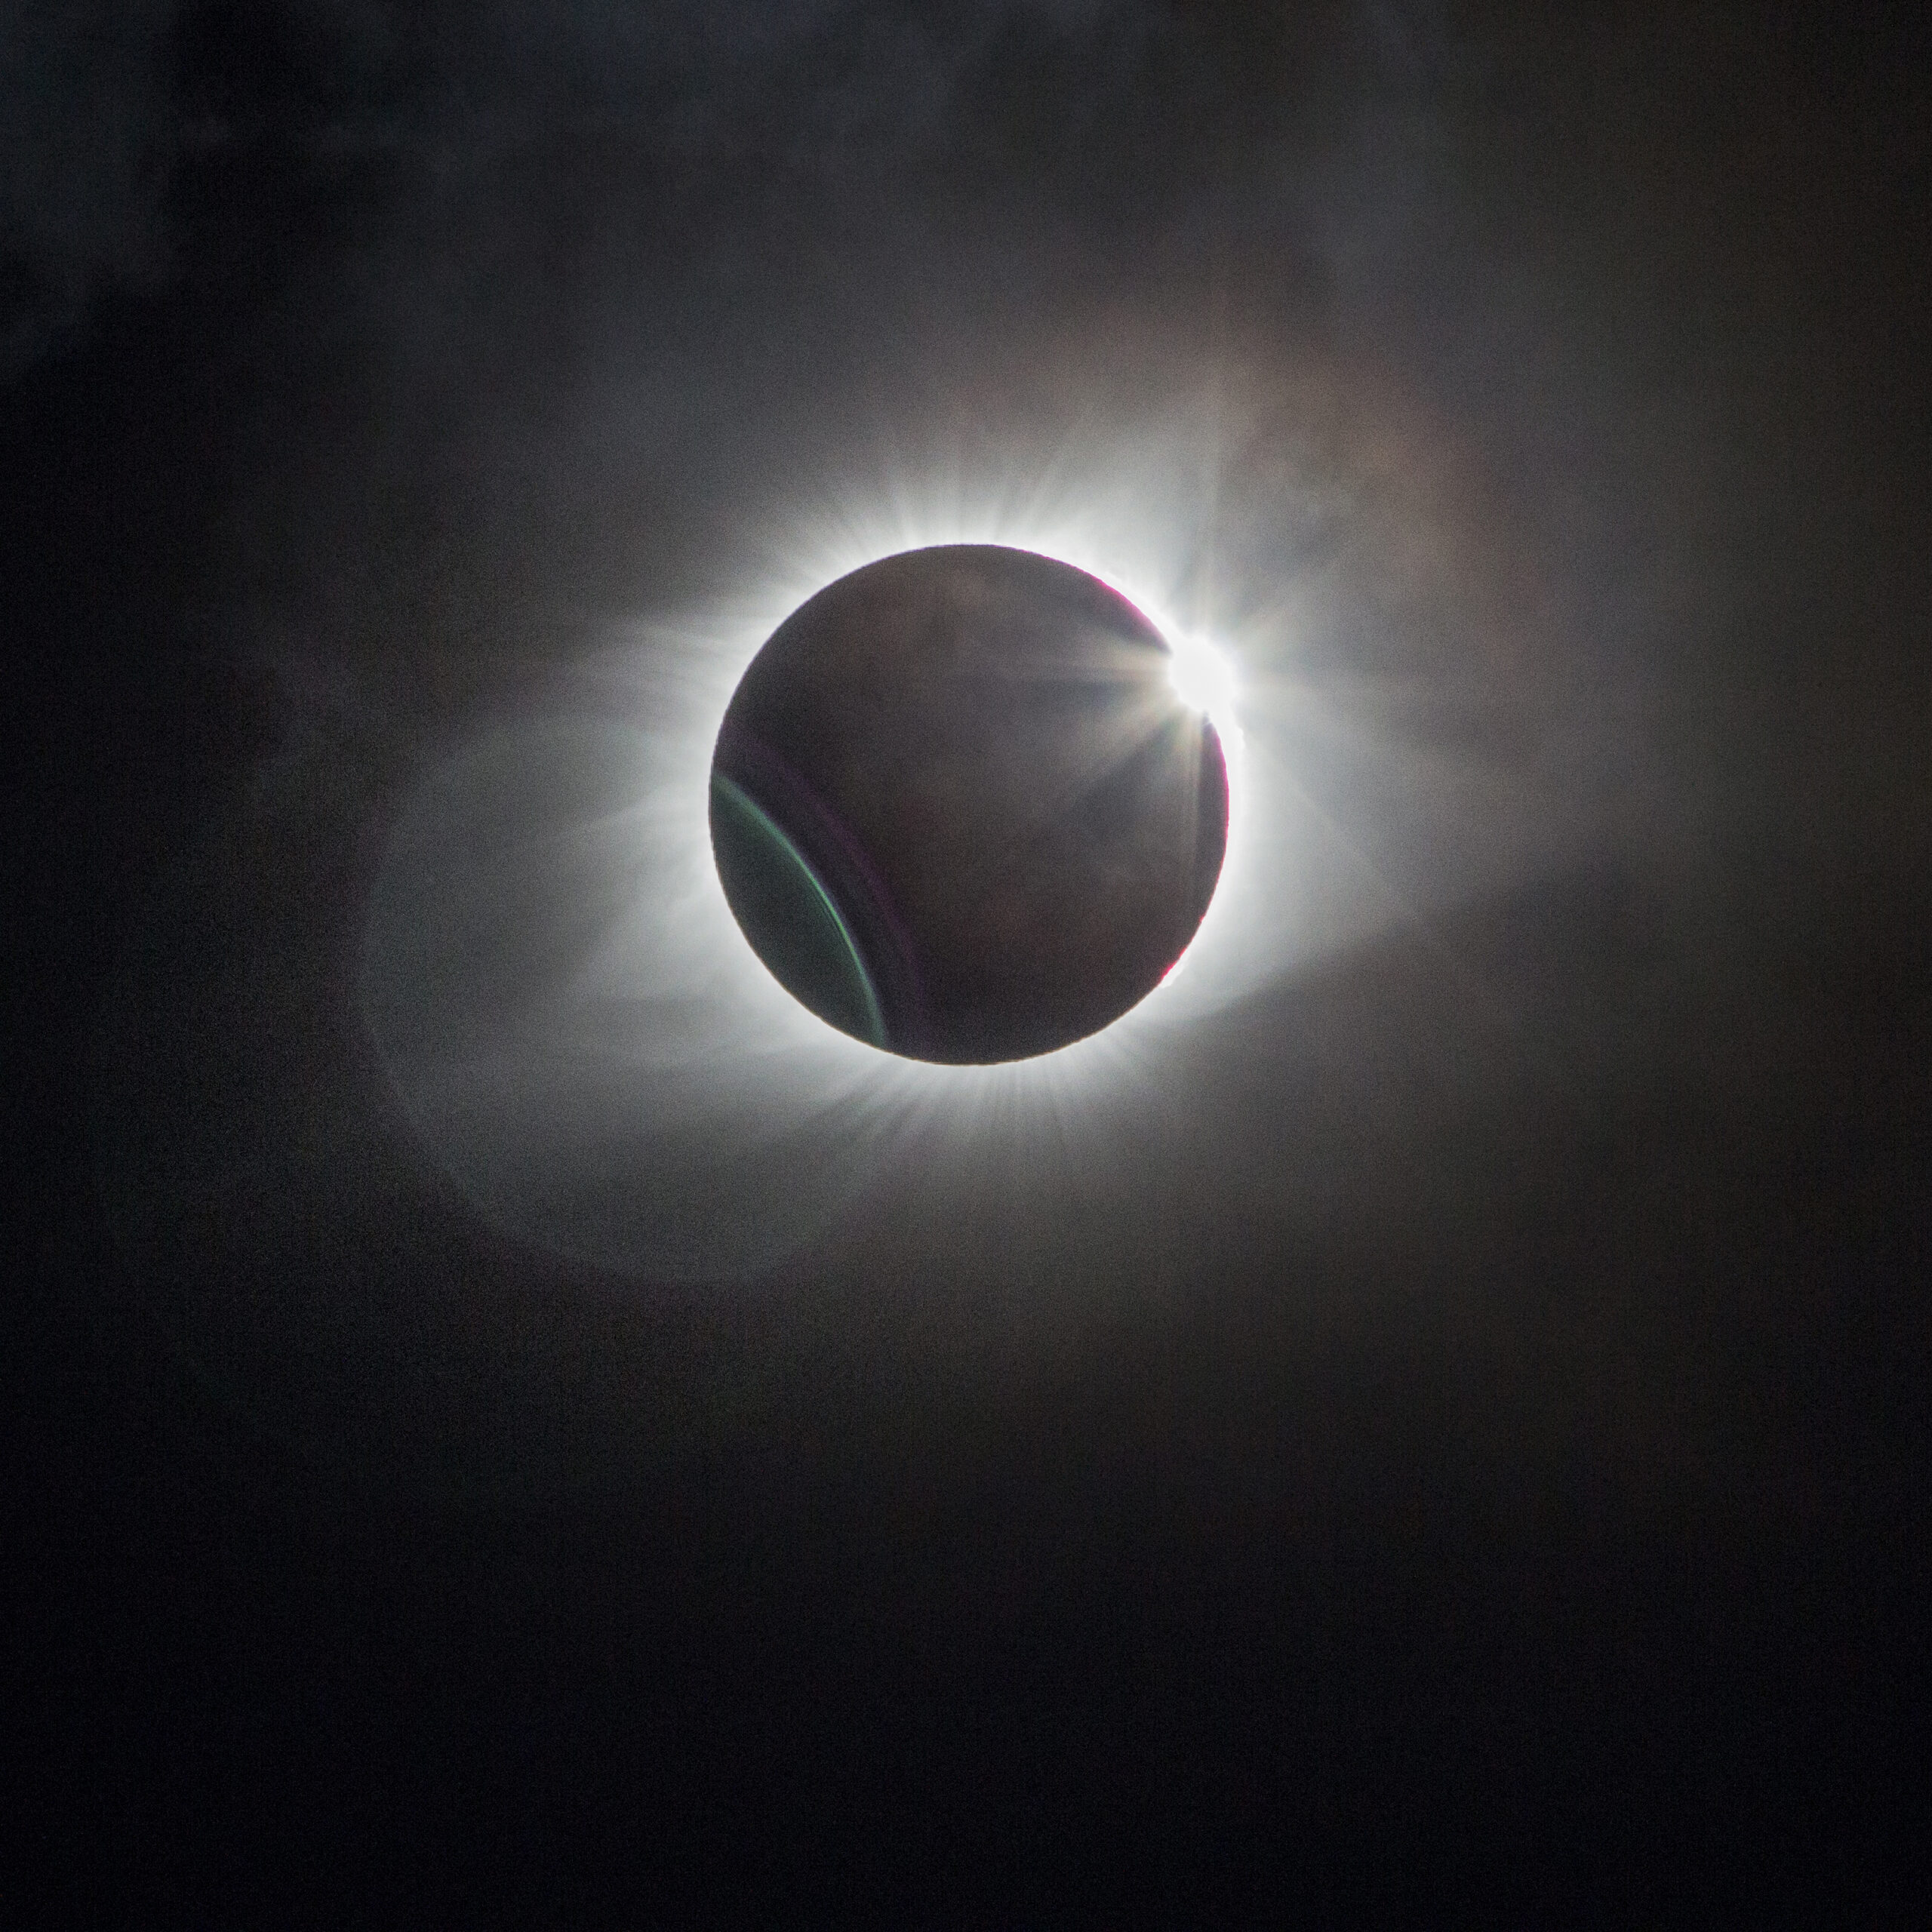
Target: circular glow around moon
645,1094
579,1030
549,1001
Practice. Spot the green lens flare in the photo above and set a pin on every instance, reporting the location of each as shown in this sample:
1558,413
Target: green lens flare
792,921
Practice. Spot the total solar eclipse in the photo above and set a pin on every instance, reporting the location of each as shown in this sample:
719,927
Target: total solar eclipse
962,807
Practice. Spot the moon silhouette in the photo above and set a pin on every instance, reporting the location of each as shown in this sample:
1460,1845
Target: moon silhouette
961,809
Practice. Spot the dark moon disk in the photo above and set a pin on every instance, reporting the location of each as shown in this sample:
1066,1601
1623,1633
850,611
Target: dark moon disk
958,809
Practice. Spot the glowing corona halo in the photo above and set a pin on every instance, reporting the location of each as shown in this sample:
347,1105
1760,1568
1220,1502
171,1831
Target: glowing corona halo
577,1027
553,1004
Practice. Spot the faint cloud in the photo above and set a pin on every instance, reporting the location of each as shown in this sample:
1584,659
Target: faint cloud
87,142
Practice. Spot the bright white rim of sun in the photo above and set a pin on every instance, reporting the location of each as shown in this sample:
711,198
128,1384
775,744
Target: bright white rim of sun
1203,678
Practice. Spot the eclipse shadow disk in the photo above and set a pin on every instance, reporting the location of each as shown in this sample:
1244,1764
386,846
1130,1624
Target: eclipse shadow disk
959,808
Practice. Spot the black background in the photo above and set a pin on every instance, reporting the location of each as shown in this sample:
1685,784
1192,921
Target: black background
1531,1527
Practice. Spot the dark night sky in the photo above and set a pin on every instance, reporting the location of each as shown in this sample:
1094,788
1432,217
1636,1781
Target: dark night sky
1451,1441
